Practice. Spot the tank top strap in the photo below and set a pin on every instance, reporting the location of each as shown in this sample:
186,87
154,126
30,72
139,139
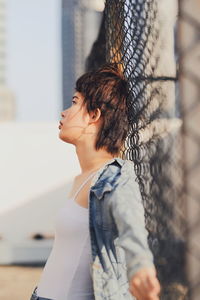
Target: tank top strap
80,187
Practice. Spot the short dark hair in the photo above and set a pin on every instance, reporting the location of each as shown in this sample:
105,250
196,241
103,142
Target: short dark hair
107,89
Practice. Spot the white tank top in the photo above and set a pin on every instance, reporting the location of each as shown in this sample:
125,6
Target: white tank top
67,272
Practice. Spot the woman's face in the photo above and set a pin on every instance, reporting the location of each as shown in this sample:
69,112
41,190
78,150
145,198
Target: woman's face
74,121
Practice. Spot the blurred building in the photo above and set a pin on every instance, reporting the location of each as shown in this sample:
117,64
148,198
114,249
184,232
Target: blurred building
36,178
80,24
7,107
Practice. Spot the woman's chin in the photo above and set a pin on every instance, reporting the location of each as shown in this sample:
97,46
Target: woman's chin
62,136
65,139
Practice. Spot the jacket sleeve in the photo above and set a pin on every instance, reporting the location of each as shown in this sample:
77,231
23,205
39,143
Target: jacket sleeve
128,213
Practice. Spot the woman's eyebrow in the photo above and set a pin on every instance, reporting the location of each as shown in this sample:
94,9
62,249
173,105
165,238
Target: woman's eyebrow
75,97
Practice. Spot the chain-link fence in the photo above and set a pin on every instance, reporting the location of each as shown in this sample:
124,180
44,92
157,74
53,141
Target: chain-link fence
149,40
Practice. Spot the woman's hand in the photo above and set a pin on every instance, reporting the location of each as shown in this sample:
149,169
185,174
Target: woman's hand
144,285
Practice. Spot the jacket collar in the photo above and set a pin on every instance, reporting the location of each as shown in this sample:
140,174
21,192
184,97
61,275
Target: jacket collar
96,186
118,159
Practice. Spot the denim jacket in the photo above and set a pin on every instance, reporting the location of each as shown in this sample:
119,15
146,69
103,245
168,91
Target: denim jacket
117,230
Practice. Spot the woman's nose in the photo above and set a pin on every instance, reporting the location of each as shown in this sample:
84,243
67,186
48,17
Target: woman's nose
62,114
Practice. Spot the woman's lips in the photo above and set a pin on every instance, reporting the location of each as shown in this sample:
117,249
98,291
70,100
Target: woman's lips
60,125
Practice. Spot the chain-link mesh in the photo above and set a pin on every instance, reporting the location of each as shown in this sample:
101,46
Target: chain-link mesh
139,36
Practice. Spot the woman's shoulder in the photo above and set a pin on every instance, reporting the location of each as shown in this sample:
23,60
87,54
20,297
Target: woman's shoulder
125,166
117,168
113,173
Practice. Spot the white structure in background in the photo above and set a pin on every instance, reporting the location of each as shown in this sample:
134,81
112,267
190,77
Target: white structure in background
37,169
7,105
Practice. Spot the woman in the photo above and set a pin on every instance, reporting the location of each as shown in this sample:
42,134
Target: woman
100,249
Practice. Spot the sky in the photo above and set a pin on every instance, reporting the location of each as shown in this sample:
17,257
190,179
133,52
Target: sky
33,64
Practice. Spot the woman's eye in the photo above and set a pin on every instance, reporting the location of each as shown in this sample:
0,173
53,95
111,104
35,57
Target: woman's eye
73,101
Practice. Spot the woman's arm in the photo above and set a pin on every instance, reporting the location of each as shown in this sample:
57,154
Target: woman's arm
128,214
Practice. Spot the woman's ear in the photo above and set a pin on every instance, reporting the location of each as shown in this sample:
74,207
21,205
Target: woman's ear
95,115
